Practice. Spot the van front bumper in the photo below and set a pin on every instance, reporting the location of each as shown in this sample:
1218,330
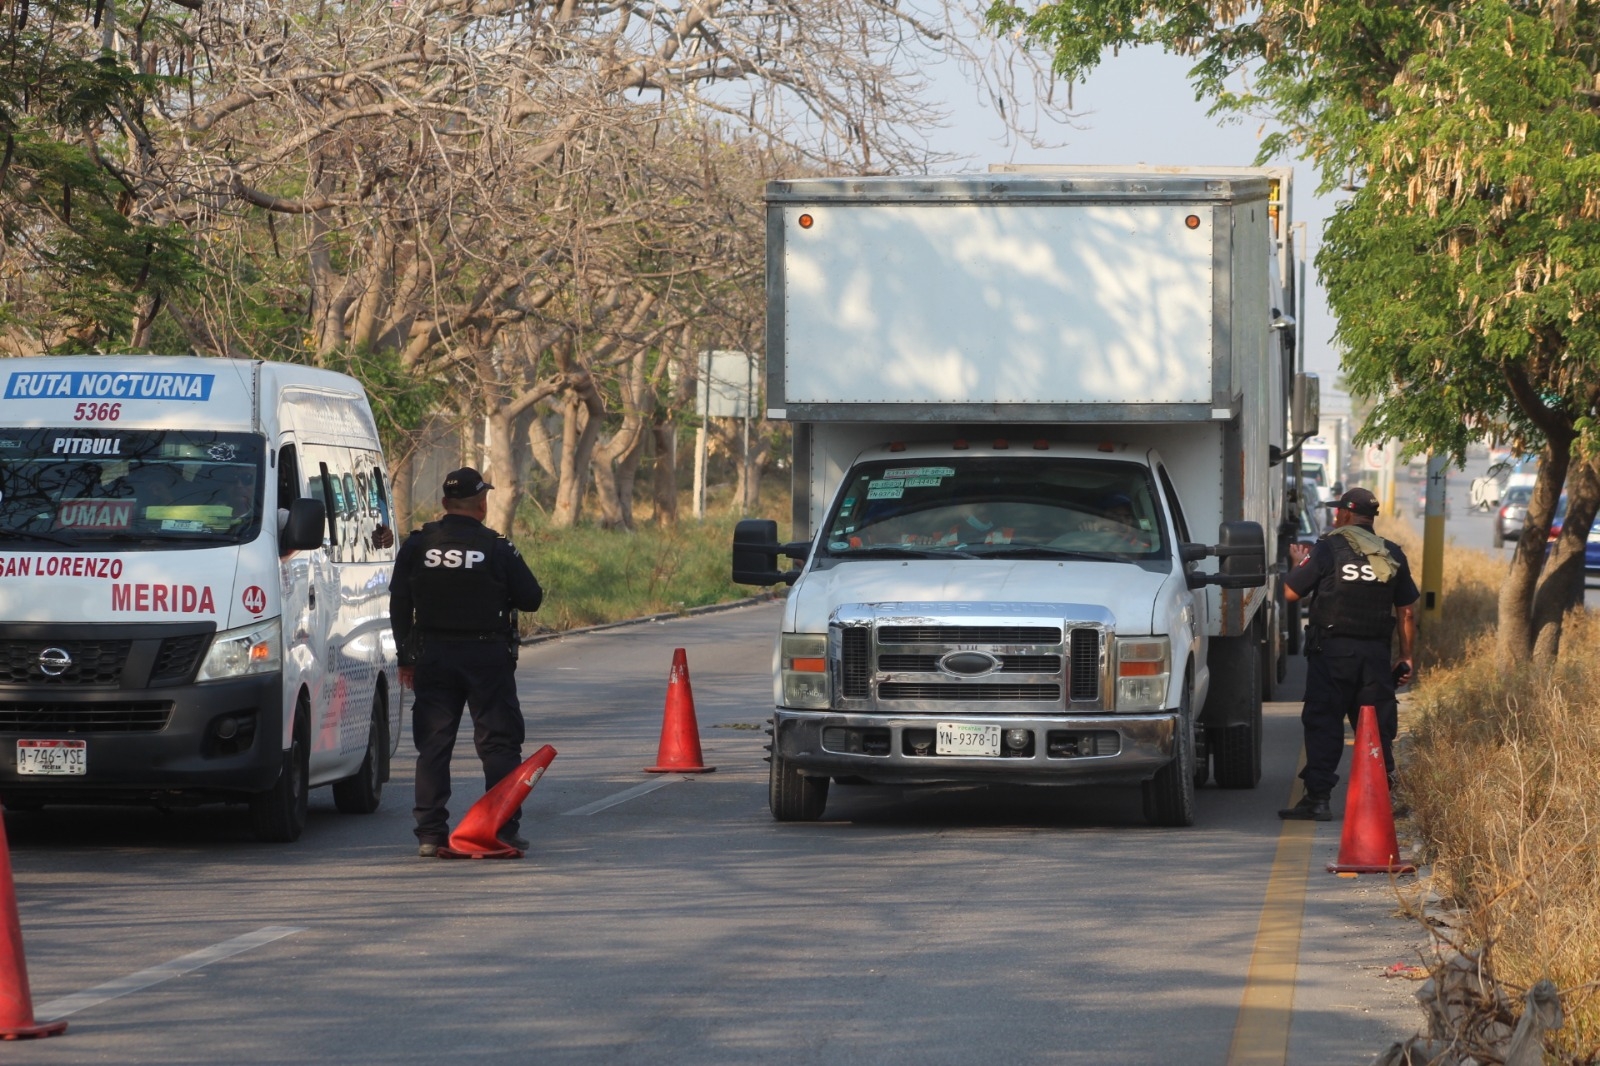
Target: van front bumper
159,744
1105,749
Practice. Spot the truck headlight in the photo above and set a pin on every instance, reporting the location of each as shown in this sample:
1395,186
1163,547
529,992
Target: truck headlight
252,649
803,666
1144,666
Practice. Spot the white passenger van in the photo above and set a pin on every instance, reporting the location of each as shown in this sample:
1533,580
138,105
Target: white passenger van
194,587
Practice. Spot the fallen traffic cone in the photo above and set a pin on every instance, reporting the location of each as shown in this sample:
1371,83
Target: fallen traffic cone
478,835
16,1001
1368,845
679,752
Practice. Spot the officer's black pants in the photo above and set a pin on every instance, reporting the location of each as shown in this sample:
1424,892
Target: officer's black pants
1337,687
481,675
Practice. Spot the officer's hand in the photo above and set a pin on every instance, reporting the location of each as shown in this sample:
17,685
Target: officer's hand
408,676
1299,553
1402,671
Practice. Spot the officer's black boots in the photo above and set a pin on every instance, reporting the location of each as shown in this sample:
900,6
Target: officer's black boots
1313,807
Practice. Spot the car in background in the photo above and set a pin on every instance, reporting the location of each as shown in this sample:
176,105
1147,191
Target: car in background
1591,547
1512,513
1309,530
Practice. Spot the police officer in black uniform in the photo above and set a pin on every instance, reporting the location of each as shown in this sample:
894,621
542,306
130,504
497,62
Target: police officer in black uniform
1360,585
457,588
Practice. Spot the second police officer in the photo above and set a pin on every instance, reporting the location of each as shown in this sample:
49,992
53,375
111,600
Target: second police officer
1360,587
457,588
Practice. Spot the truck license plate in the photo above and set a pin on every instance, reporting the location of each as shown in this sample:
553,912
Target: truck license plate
957,738
52,757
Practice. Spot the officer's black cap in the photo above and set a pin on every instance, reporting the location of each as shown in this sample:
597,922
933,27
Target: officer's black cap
464,484
1358,501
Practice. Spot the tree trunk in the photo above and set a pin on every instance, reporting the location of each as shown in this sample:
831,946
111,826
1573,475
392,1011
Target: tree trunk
502,472
748,490
402,471
665,479
582,426
1515,635
1561,587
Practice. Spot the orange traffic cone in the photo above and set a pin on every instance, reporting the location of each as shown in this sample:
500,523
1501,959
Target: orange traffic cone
679,752
1368,845
478,835
16,1000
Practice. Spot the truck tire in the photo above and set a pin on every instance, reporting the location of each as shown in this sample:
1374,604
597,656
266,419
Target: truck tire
1296,627
278,815
1270,639
1169,796
793,796
1236,741
362,793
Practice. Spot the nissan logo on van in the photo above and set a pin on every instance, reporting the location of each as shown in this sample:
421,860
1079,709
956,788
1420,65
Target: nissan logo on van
54,661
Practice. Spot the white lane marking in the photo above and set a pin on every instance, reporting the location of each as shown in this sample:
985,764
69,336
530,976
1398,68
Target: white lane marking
93,997
623,797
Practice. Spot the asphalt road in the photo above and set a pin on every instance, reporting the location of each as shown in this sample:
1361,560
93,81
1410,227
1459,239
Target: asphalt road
684,925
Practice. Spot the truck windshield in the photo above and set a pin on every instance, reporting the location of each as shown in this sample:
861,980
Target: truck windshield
999,506
91,488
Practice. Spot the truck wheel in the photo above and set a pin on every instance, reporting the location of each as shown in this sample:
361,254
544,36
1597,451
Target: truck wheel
1202,755
1266,629
792,796
1296,628
278,815
1169,796
362,793
1237,747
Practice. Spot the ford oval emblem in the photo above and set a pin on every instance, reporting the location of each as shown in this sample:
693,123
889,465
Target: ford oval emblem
969,663
54,662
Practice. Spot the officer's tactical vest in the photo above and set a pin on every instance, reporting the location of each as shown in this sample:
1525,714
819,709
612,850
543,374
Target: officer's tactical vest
1351,601
452,585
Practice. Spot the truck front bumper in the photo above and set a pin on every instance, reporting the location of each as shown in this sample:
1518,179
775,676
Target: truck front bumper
1105,749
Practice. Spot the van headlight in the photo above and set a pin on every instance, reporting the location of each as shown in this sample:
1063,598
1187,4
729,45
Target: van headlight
1144,665
803,668
252,649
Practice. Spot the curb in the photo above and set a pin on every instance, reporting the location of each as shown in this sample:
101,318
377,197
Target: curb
710,608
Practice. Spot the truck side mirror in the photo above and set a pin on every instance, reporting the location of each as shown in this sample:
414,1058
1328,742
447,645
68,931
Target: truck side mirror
303,531
1307,406
756,550
1242,548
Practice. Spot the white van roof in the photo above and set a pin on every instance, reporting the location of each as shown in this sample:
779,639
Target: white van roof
150,391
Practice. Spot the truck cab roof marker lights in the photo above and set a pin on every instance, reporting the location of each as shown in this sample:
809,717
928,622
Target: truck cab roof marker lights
1041,445
960,444
1001,444
897,446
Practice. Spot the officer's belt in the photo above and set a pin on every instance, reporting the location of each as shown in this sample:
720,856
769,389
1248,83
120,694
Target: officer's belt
465,634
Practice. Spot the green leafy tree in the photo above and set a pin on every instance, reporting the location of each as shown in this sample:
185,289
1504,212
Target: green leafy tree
1462,271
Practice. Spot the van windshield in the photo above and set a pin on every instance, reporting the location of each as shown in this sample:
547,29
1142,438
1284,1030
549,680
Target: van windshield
999,506
91,488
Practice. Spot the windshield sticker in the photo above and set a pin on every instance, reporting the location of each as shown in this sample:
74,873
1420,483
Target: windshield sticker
87,446
885,490
10,444
847,506
222,453
93,385
923,482
182,525
95,514
921,471
838,545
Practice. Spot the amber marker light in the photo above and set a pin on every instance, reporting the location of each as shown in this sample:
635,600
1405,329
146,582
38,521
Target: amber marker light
810,666
806,222
1193,222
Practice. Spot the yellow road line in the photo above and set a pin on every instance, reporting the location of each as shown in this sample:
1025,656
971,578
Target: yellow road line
1261,1035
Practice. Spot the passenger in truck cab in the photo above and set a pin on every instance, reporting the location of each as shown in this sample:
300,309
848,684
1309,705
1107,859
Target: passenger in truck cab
1118,520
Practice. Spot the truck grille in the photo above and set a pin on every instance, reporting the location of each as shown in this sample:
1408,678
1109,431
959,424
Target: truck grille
856,681
39,717
1084,682
93,662
969,635
933,690
1009,664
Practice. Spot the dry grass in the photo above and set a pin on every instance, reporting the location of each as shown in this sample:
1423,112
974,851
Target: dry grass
1503,778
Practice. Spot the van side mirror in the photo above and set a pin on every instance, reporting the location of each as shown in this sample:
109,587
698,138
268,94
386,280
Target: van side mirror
303,532
1242,549
756,550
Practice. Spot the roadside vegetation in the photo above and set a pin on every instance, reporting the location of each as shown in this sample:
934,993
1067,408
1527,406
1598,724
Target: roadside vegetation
1502,776
592,575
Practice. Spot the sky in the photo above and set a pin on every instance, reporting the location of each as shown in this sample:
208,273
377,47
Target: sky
1138,107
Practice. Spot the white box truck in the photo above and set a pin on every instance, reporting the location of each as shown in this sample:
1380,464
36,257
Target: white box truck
194,587
1019,403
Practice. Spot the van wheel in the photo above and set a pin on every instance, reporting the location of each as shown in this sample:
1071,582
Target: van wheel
1169,796
792,796
1236,748
362,793
278,815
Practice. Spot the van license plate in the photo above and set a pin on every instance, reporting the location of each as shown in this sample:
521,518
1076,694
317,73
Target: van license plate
957,738
64,757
